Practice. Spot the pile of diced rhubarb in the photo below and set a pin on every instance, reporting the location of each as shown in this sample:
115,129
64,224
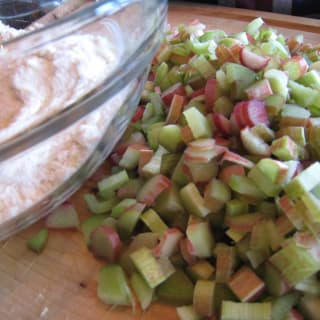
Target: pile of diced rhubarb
213,202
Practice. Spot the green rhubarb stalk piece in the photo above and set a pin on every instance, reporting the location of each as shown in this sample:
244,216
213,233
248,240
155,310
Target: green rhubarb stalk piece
285,149
122,206
198,123
216,194
246,310
263,182
177,289
63,217
168,204
303,96
152,270
168,163
203,297
130,158
193,201
38,242
304,182
113,288
113,182
246,187
201,270
253,27
99,207
128,220
178,175
143,292
311,79
236,207
200,63
279,81
170,137
187,313
152,220
274,104
295,263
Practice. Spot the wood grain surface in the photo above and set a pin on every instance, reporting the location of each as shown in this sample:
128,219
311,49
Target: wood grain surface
60,283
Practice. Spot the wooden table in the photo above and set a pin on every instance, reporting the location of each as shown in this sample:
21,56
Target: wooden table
60,284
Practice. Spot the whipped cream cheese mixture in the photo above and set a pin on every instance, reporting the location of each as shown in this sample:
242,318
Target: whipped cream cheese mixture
37,86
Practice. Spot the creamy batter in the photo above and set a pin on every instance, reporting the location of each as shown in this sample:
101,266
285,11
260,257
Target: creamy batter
34,88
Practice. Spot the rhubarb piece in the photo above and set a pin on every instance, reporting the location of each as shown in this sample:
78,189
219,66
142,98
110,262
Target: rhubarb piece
187,251
222,124
296,67
152,220
259,90
304,181
264,132
130,189
310,286
176,289
274,104
153,131
227,172
246,310
205,68
224,106
281,306
235,235
275,170
216,194
175,109
38,242
295,263
170,137
290,210
153,167
91,224
128,220
252,28
279,81
130,158
252,60
294,115
253,143
264,183
243,222
113,182
296,133
225,262
105,243
63,217
211,93
276,285
198,123
152,188
142,240
187,313
285,149
193,201
240,77
153,271
99,207
168,204
168,94
168,244
237,159
143,292
168,163
179,177
201,172
311,79
253,287
201,270
201,239
203,297
245,186
122,206
113,288
236,207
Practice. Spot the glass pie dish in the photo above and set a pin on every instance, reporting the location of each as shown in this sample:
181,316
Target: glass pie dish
71,88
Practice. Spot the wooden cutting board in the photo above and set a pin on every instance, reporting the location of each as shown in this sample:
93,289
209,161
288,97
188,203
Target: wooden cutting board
60,284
